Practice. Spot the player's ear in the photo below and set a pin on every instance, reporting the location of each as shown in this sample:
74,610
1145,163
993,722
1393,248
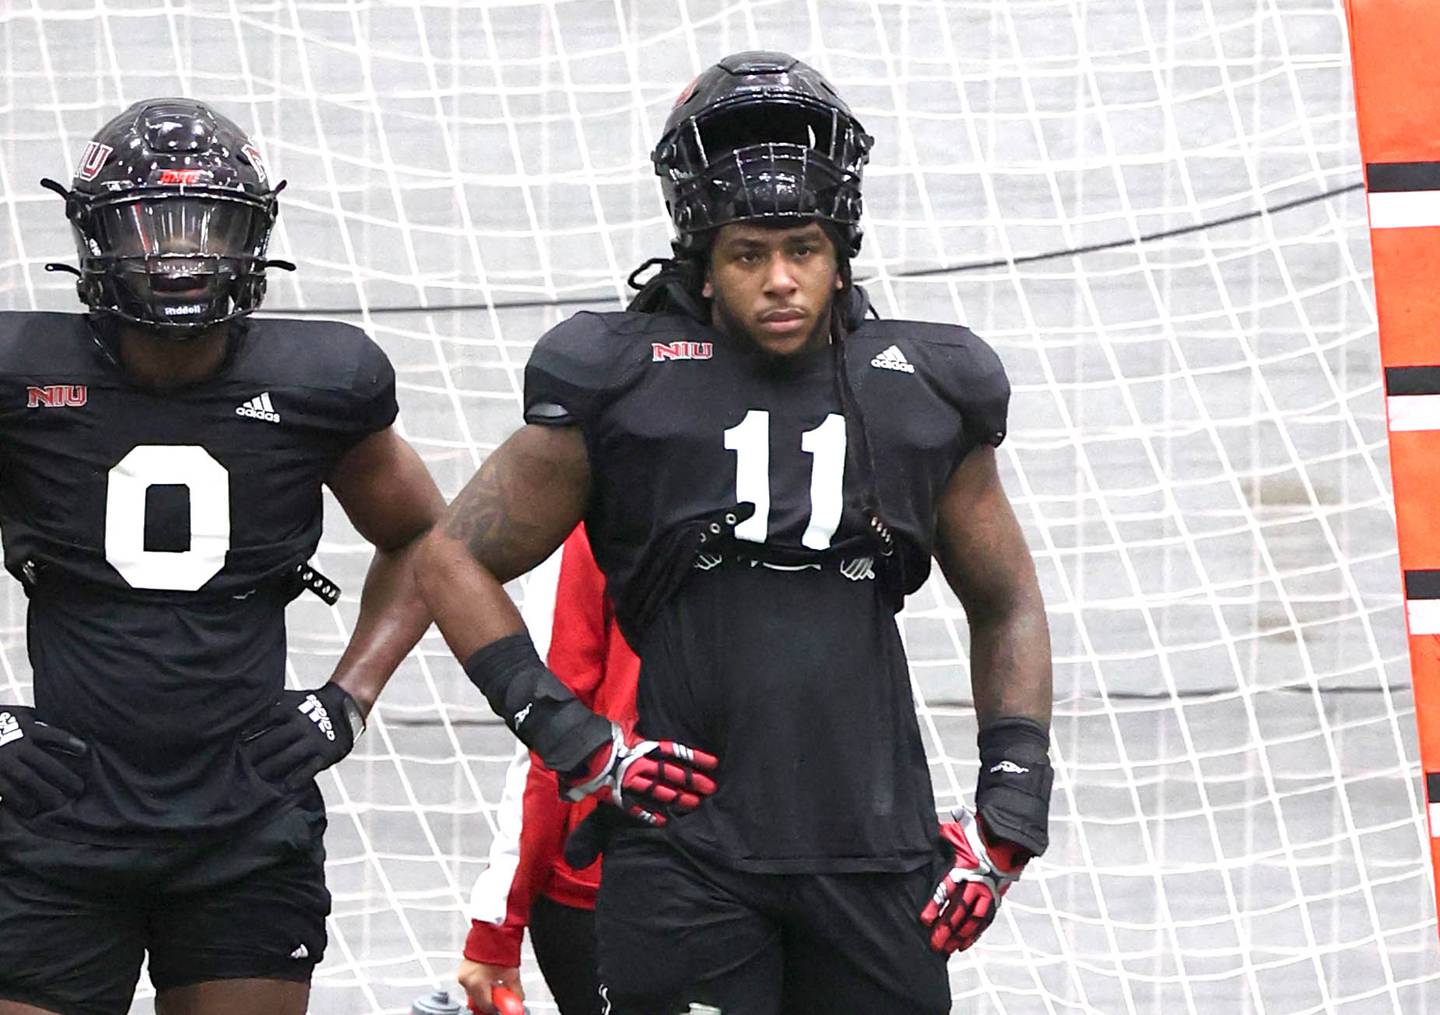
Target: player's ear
708,290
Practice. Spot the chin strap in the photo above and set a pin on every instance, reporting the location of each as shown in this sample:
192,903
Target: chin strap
58,188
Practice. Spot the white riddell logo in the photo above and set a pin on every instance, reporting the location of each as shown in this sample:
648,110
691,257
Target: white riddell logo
311,707
259,407
300,953
893,359
521,715
1008,767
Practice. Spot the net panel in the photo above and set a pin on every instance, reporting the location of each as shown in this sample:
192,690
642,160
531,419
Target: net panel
1197,445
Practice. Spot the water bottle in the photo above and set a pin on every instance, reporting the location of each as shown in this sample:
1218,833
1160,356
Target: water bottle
505,1002
436,1003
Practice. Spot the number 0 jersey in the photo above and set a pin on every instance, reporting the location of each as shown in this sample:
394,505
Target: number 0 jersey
728,512
157,535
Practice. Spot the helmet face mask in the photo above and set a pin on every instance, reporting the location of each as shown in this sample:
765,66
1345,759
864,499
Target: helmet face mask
761,136
172,211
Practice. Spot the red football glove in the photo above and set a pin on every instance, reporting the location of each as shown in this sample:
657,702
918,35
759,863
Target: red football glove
965,901
645,778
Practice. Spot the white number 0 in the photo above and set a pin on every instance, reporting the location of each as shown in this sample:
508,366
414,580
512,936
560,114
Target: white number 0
750,440
209,486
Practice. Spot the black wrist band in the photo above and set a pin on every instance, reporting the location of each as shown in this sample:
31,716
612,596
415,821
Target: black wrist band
541,711
1013,795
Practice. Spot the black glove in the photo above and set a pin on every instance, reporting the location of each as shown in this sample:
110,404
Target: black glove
304,733
588,840
32,779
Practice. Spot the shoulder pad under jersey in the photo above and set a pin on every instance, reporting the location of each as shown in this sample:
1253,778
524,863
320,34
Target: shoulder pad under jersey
580,362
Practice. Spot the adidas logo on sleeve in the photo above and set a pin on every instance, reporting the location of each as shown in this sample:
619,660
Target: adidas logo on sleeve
259,407
893,359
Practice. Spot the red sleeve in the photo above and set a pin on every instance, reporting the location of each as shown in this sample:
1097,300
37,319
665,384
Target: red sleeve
580,621
614,698
496,926
567,614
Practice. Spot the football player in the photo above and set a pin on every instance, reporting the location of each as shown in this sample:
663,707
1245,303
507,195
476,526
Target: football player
162,457
528,881
765,472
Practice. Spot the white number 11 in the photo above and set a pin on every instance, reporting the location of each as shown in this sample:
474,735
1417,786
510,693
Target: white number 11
750,440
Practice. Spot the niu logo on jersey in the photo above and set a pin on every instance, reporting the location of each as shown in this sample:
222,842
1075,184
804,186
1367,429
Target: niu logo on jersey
318,715
661,351
55,394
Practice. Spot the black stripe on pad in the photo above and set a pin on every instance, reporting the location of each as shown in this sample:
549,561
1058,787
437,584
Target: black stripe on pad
1422,584
1412,380
1392,177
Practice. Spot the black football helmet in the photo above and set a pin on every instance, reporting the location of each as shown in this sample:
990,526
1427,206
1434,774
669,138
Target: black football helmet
172,208
761,136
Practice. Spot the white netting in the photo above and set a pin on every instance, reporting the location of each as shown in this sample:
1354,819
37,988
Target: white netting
1197,449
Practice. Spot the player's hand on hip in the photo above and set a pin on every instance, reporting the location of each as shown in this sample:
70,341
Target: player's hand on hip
650,780
302,734
480,979
33,777
965,901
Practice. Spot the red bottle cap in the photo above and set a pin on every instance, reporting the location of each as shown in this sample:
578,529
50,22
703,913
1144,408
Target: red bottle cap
506,1003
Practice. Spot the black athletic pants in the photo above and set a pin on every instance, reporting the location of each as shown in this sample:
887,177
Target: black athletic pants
564,941
676,930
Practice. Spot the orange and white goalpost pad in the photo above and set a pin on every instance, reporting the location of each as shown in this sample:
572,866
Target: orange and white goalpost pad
1395,46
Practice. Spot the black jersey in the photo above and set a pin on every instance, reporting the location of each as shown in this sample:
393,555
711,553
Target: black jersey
728,511
157,536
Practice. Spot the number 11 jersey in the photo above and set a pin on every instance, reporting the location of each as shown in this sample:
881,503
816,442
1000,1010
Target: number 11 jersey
730,509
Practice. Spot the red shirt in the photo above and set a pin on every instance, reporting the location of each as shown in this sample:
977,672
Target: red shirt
573,625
